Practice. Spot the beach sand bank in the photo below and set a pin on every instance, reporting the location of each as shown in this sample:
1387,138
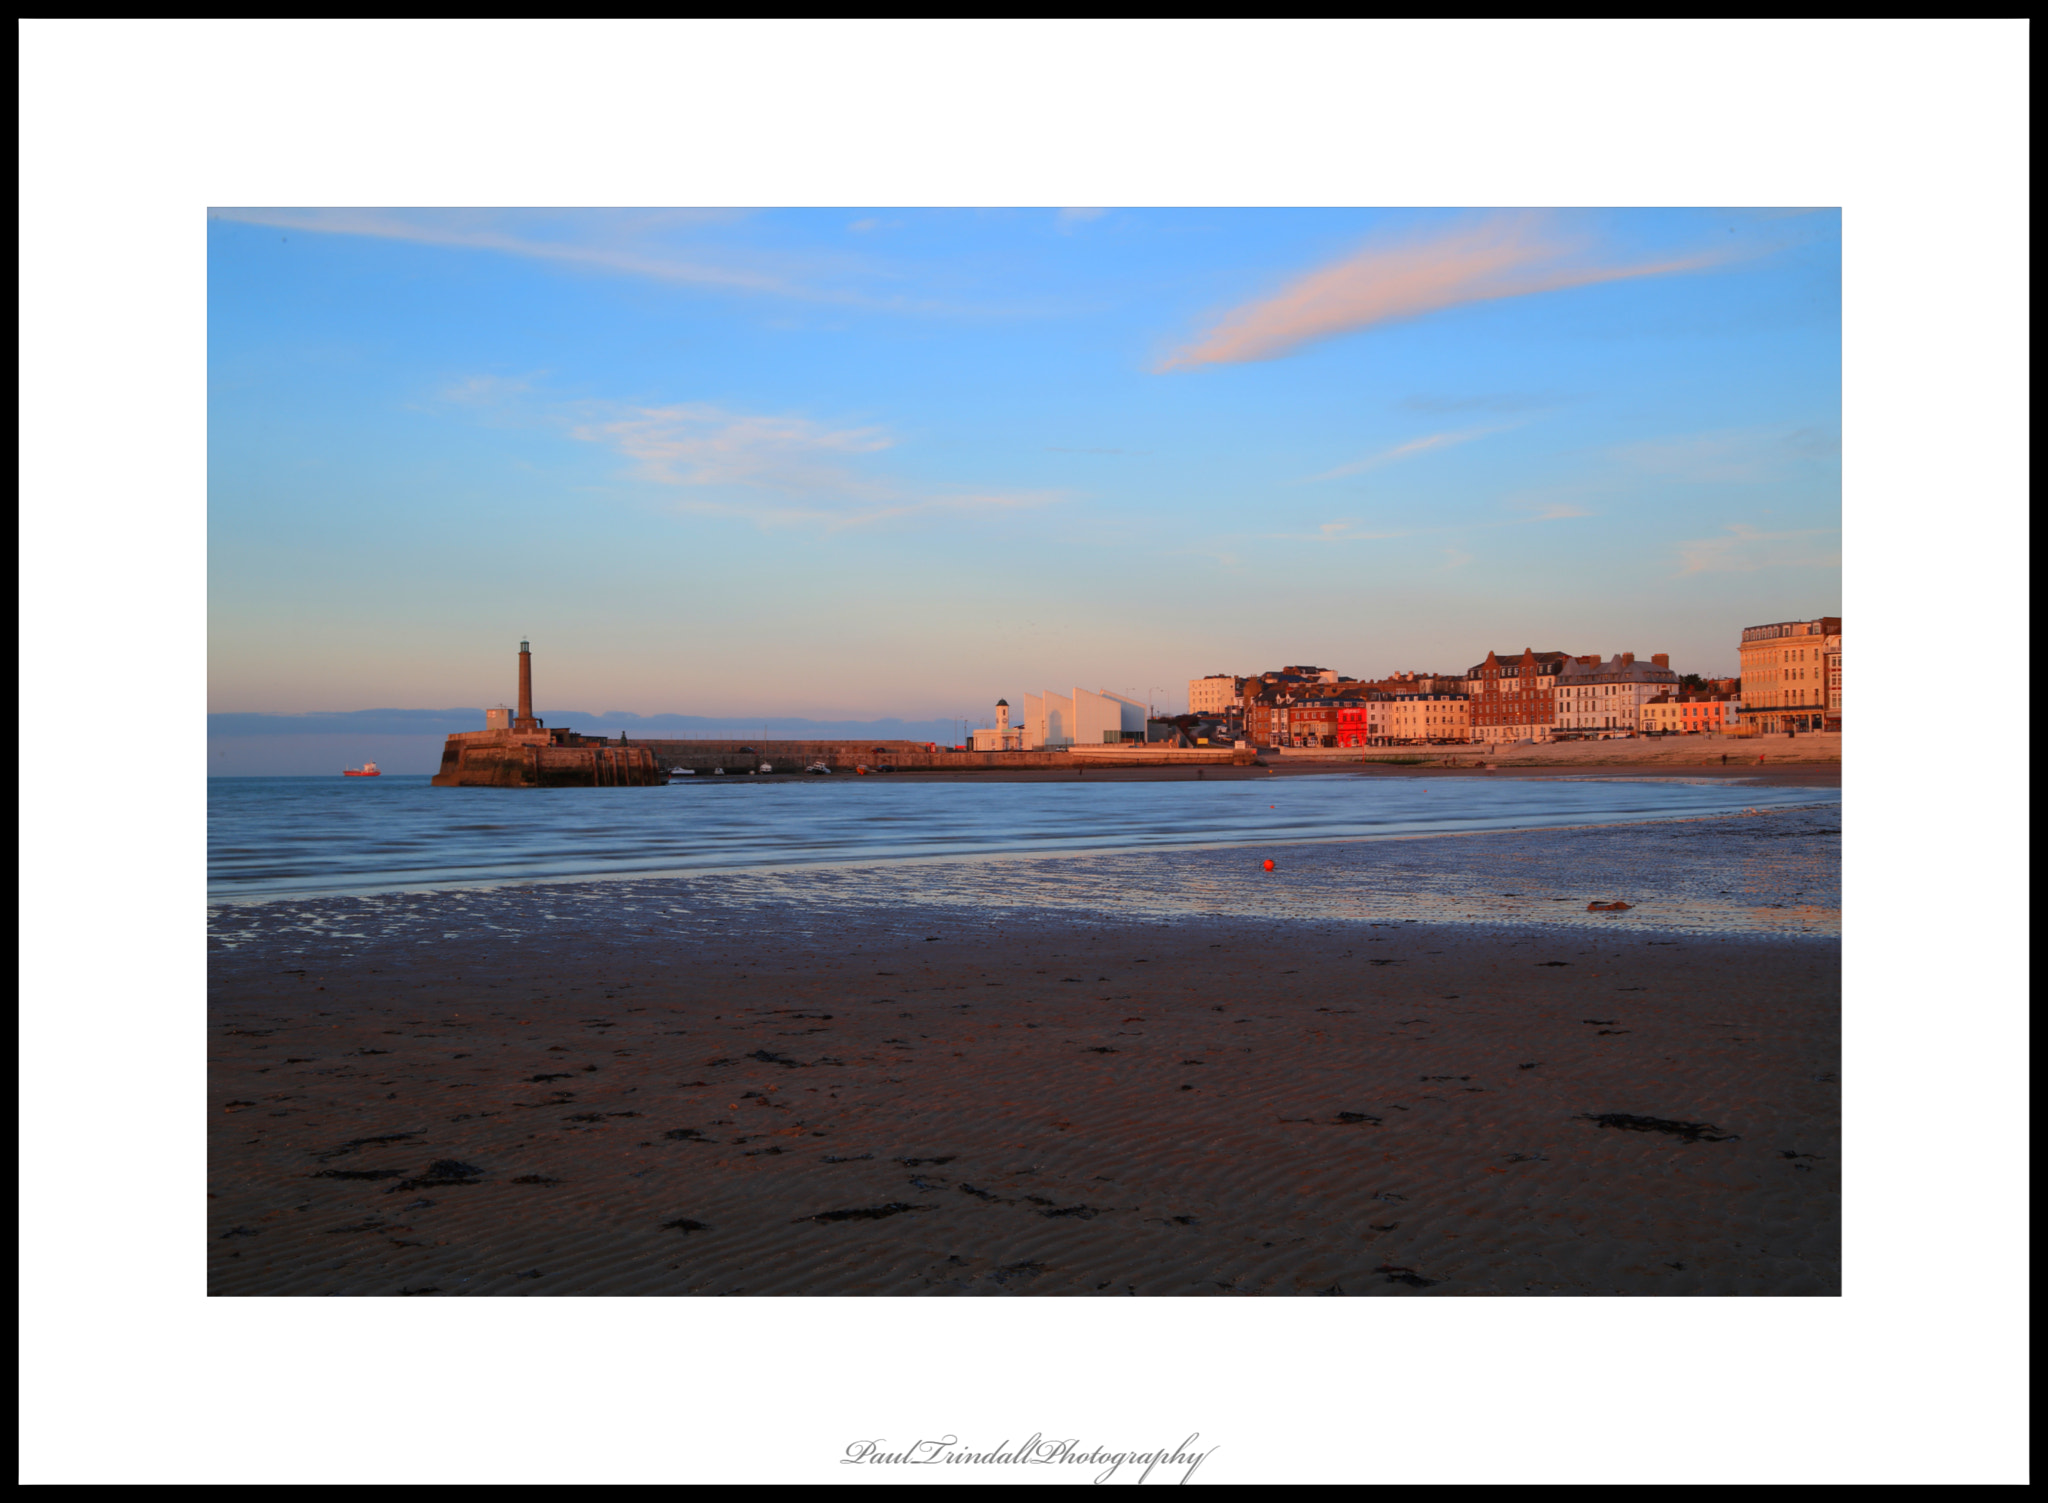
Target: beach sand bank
1576,761
1039,1106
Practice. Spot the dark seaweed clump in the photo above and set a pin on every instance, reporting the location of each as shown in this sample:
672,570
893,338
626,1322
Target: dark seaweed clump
441,1174
1691,1132
863,1213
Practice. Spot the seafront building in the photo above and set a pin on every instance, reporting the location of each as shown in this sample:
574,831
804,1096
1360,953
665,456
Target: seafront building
1690,715
1351,723
1081,719
1311,723
1596,698
1791,679
1002,736
1427,719
1379,712
1514,699
1365,722
1265,714
1217,694
1790,674
1328,722
1832,647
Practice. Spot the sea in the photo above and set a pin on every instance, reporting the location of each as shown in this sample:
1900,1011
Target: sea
1732,856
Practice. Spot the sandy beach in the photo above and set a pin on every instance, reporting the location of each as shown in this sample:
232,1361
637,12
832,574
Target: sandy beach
1043,1103
1779,766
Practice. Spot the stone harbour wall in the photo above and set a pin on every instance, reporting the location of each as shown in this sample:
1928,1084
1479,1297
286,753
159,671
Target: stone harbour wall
845,756
474,763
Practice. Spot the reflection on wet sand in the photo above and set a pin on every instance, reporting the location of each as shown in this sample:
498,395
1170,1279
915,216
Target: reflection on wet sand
1775,874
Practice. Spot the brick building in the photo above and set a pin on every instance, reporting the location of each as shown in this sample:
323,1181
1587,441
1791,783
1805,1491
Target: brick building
1313,722
1514,699
1265,713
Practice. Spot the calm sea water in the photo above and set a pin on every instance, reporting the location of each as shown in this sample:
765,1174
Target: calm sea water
272,838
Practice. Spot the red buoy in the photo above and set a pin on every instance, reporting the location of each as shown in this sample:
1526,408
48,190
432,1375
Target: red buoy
1269,866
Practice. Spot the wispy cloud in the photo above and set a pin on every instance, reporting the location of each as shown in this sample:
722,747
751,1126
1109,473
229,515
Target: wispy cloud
1504,255
1336,532
630,244
1349,531
1745,549
1502,402
1424,445
779,470
485,391
694,445
1222,557
1069,219
1547,503
1730,456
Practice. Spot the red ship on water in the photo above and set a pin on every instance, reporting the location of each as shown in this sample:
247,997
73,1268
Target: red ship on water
367,770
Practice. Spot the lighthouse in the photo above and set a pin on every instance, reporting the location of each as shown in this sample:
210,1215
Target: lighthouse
525,722
514,750
1004,737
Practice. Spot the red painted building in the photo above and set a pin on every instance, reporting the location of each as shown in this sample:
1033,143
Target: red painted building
1352,726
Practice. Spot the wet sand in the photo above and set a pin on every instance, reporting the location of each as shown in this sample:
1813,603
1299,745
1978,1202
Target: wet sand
1038,1106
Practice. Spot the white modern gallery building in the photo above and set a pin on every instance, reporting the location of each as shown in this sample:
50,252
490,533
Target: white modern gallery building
1080,719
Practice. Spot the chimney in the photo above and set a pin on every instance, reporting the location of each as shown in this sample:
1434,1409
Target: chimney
1661,659
1627,659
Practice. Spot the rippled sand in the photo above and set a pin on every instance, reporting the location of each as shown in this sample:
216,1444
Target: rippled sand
1128,1075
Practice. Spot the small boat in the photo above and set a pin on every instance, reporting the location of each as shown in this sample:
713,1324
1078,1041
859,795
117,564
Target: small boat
681,772
818,769
367,770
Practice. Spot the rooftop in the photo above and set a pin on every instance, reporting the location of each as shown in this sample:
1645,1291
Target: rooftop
1819,626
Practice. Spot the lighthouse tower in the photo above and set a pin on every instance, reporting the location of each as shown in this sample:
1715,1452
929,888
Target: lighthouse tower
525,721
1004,737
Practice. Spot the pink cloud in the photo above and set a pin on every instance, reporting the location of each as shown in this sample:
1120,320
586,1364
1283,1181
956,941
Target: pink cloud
1506,255
1422,445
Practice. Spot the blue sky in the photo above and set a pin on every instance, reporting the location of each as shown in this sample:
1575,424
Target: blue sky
868,463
